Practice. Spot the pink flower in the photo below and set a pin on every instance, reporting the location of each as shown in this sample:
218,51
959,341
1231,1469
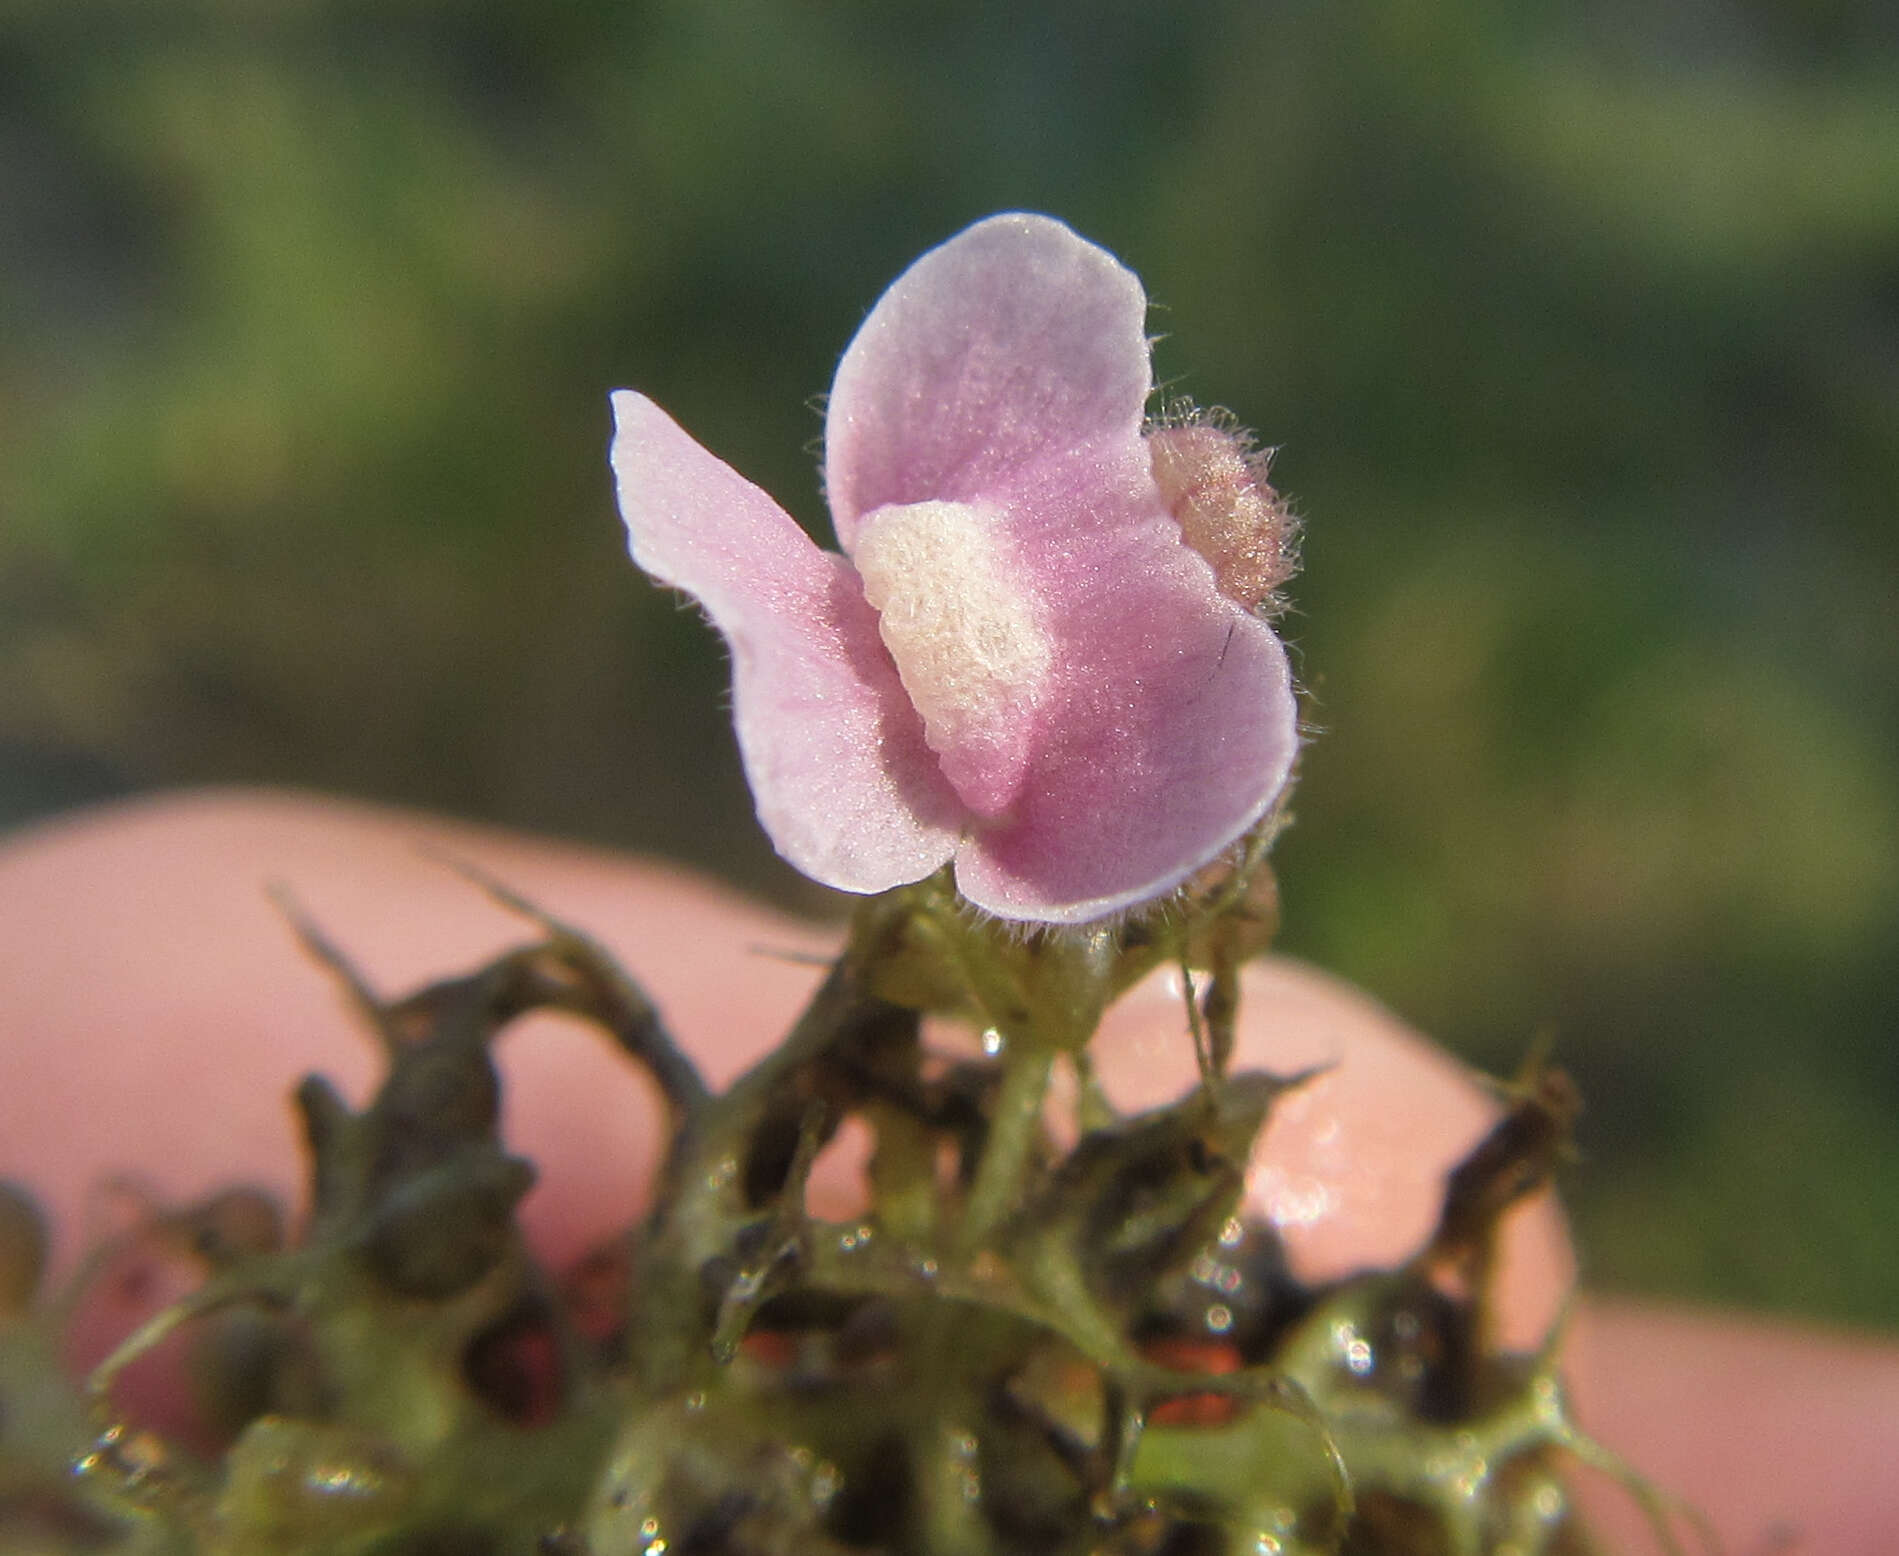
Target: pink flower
1017,664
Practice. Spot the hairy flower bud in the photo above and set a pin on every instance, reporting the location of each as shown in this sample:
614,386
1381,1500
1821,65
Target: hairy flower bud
1213,480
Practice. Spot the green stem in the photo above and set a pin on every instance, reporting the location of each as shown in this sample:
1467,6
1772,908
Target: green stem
1026,1068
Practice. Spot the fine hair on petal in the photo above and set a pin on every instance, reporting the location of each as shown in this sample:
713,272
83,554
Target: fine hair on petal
1213,477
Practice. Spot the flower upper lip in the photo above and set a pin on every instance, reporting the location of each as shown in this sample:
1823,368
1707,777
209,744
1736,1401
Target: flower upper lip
1051,691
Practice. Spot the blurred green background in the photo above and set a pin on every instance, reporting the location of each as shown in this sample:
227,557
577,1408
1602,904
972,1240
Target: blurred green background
1578,329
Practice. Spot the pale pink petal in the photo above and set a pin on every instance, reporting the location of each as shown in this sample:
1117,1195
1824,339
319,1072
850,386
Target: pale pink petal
1015,340
1171,728
845,786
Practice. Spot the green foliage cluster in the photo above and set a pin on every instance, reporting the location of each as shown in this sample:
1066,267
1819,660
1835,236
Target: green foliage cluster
1577,330
1050,1329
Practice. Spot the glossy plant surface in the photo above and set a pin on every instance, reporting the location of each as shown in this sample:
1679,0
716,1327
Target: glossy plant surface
1017,1345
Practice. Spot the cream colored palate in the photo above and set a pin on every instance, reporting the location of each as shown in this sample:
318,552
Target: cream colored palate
965,636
